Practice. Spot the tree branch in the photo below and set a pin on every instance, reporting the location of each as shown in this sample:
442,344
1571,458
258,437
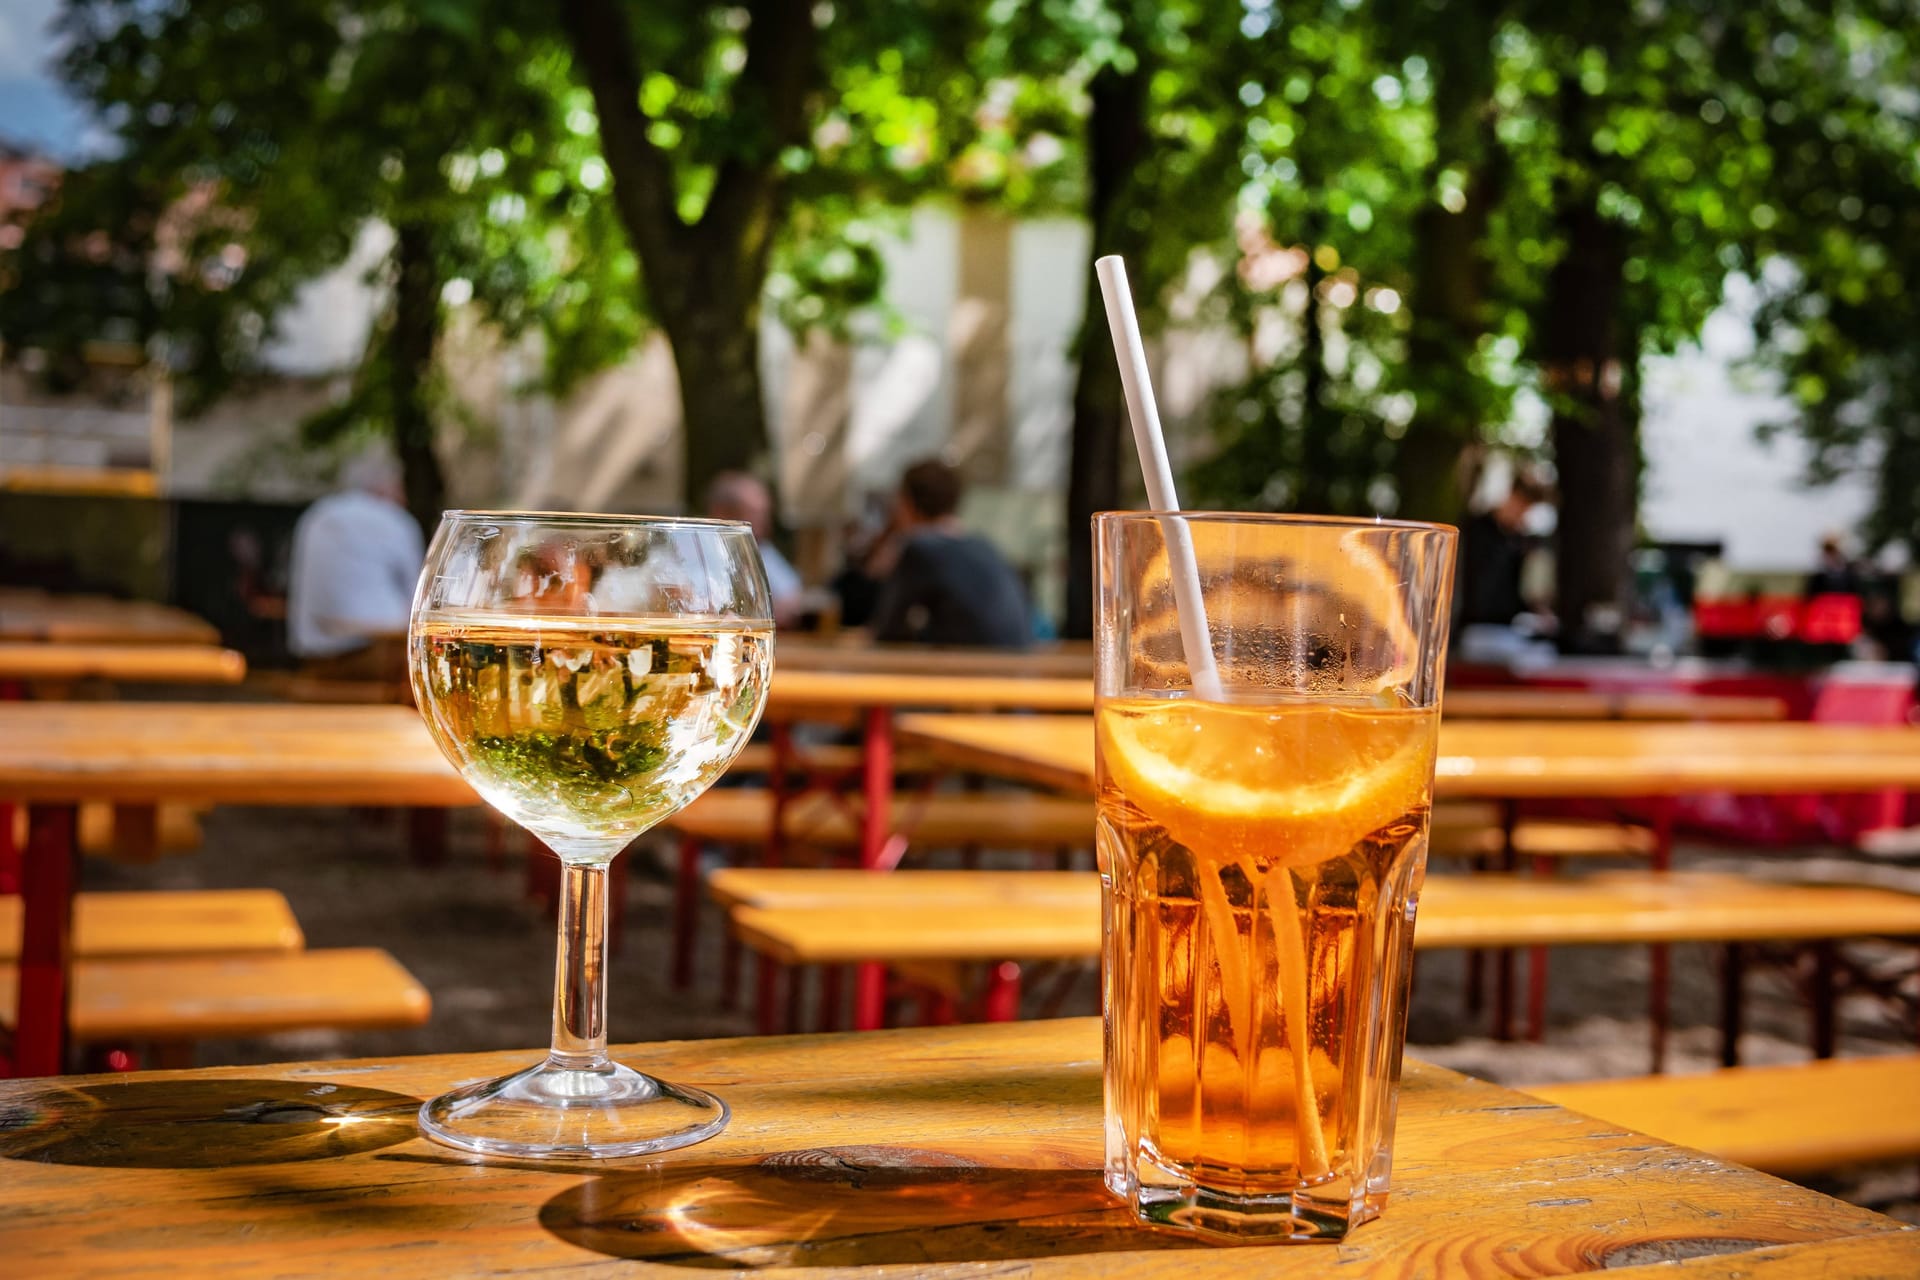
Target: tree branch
643,182
770,98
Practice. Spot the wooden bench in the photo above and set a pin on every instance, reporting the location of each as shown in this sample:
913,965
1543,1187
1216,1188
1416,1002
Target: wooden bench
989,819
975,820
128,833
834,757
1465,829
182,999
117,926
841,918
1786,1120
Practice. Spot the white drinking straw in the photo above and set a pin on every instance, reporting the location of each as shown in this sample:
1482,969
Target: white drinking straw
1151,442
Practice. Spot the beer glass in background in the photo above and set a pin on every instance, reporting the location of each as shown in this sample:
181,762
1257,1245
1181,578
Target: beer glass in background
1261,854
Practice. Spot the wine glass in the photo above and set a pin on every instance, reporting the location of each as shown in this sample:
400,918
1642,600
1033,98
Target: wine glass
588,675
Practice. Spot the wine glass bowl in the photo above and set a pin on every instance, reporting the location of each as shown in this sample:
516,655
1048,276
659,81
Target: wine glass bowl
589,676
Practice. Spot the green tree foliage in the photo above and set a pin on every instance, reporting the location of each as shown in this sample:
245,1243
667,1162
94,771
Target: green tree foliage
1843,328
254,143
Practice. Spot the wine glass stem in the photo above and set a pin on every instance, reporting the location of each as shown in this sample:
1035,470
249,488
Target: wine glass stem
580,969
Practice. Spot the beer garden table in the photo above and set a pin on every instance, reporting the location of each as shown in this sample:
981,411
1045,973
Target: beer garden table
954,1151
60,663
42,618
1511,761
54,756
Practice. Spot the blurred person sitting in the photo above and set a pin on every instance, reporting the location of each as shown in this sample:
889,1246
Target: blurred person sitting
1835,574
356,558
735,495
946,586
1493,556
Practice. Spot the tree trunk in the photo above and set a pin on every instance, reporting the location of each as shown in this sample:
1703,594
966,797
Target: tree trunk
1317,425
1116,143
410,349
1450,278
715,335
1590,382
704,279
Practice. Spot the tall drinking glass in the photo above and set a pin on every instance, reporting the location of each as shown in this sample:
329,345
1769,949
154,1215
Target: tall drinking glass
589,675
1261,853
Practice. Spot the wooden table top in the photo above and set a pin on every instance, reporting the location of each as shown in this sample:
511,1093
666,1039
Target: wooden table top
130,664
34,616
1510,759
223,753
955,1151
277,753
1593,704
844,917
812,653
800,693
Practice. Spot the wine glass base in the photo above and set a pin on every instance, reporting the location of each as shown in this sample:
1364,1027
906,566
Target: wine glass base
555,1111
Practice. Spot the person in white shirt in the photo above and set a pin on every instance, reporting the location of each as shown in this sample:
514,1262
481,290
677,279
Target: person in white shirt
356,558
735,495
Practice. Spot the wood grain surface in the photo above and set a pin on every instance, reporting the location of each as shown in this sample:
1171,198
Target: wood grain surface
1786,1119
1510,760
949,1152
126,663
841,917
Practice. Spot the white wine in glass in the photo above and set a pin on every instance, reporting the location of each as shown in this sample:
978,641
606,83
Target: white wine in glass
589,675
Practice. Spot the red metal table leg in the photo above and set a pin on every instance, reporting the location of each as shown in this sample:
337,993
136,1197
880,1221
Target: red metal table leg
686,911
876,824
1732,1001
1001,1000
1660,976
46,894
766,996
829,1013
1503,959
1543,868
1824,1005
9,851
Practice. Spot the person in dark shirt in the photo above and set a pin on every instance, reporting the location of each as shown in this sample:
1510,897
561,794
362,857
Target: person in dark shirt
1493,550
948,586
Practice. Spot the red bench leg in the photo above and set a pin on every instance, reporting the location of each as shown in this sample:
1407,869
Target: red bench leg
1661,974
766,995
1733,965
46,894
1001,1000
829,1013
1543,868
686,910
876,822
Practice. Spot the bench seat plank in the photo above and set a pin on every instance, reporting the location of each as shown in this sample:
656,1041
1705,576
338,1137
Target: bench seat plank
997,819
199,998
894,918
169,923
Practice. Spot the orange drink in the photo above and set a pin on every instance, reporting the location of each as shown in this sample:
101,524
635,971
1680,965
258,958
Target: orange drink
1261,854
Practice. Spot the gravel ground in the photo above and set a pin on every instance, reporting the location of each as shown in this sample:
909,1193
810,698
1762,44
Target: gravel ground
486,954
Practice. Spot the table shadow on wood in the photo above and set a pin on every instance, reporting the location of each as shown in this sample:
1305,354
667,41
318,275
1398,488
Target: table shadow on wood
202,1124
847,1206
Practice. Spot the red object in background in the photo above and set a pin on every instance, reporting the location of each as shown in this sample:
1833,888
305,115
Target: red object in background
1777,617
1725,619
1833,618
